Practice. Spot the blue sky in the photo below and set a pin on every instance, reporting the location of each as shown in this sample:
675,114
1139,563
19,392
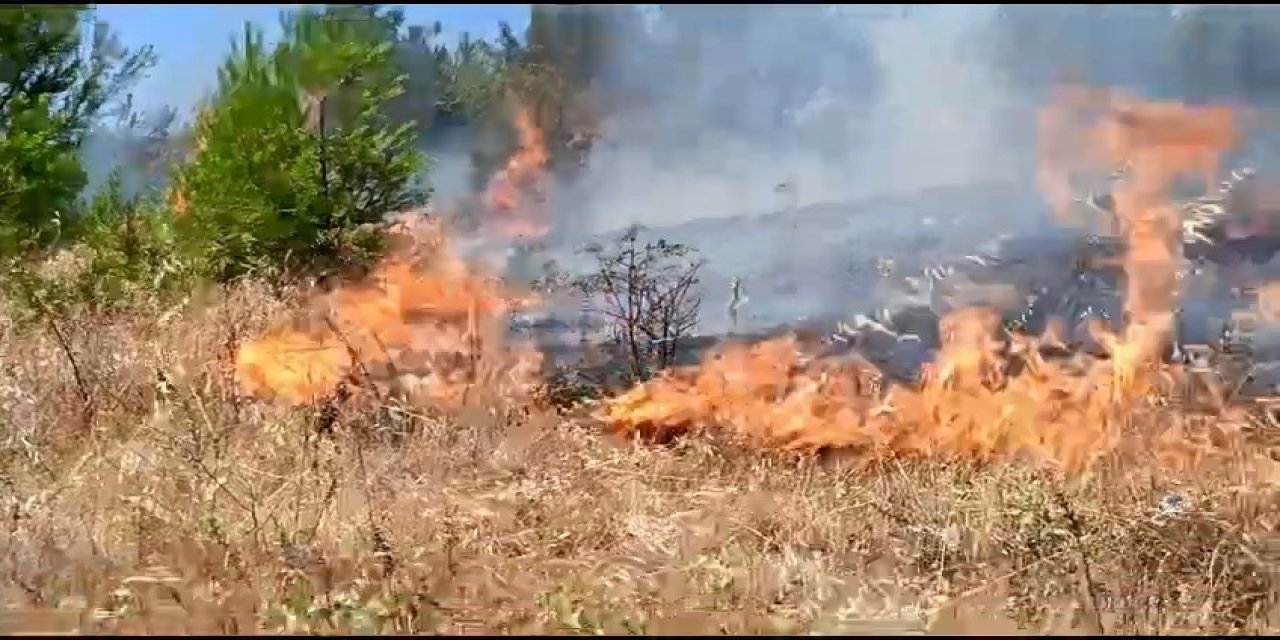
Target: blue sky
190,40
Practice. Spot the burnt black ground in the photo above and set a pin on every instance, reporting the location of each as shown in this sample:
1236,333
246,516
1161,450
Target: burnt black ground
813,267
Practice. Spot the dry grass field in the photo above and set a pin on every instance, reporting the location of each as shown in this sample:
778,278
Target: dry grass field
146,490
175,504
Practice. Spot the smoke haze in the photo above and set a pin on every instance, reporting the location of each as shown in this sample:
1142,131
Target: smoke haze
836,135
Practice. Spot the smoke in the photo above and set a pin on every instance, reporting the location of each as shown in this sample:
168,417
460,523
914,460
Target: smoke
880,130
750,109
743,110
450,169
135,149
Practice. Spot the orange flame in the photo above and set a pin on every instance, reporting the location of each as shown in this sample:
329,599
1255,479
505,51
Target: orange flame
1269,302
980,399
425,317
518,192
426,321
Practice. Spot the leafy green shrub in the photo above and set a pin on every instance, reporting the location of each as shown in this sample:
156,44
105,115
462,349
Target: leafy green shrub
53,88
294,156
132,248
125,255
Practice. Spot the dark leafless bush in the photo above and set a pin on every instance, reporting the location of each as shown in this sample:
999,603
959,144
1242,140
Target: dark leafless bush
649,296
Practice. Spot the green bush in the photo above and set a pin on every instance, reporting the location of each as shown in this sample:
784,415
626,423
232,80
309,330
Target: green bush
132,248
53,88
294,155
125,255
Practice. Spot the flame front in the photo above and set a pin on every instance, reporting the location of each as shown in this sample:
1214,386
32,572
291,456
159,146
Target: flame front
983,398
980,399
425,316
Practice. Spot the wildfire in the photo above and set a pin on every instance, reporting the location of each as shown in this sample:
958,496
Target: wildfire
432,318
425,321
517,193
982,398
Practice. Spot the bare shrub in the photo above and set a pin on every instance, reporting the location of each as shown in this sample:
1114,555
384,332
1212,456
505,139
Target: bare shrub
650,297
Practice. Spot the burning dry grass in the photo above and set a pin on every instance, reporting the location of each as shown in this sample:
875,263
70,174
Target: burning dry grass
426,320
176,505
189,510
986,399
